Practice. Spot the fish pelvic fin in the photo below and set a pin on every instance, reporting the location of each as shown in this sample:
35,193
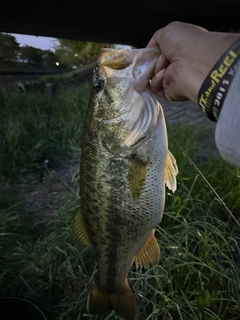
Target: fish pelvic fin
149,253
170,172
79,233
122,302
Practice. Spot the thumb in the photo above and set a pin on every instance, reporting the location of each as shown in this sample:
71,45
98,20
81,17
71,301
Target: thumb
153,42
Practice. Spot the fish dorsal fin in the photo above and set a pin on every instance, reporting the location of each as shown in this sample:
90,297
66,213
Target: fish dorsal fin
149,253
79,232
170,172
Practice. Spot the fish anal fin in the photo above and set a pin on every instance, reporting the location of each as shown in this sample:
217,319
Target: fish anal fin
170,172
122,302
149,253
79,232
137,177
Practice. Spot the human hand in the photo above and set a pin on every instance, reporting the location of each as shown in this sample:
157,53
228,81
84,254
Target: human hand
188,54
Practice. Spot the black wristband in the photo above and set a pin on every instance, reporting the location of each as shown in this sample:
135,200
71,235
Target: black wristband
216,85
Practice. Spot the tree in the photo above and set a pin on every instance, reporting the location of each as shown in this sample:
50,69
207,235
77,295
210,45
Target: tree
9,47
73,52
31,54
49,58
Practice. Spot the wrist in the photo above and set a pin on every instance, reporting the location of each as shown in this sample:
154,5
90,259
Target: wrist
214,88
208,51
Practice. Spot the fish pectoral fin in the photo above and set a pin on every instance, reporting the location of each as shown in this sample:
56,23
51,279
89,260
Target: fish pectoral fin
170,172
149,253
122,302
79,232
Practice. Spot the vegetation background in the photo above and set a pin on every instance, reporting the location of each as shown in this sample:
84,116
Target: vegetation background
198,276
67,55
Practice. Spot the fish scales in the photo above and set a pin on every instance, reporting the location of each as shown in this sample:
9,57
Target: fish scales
111,214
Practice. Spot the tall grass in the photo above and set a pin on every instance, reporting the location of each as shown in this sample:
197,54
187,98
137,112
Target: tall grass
36,126
198,276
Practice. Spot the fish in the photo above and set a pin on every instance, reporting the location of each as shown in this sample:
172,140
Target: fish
125,167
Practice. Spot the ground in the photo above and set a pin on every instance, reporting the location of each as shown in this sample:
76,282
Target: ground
189,113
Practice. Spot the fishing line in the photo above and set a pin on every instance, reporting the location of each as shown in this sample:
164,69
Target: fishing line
208,184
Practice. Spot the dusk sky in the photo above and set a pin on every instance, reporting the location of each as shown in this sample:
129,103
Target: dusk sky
43,43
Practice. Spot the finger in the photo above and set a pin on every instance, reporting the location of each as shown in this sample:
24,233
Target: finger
162,63
154,40
171,92
157,81
168,89
160,93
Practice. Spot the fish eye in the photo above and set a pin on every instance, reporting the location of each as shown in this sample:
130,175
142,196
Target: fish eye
98,85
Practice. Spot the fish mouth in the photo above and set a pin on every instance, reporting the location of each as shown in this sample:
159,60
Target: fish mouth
136,65
115,59
142,60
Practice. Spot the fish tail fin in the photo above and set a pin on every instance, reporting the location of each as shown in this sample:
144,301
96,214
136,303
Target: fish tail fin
99,302
123,303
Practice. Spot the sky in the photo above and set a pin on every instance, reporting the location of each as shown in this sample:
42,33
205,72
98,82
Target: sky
43,43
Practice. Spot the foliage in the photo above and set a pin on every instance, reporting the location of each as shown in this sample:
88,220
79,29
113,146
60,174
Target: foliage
49,57
9,47
31,54
36,126
58,79
38,56
67,52
77,52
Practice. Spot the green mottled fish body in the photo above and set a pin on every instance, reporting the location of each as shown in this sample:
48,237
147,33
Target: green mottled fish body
125,164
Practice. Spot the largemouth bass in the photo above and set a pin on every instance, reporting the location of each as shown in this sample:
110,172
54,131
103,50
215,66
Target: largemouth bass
125,164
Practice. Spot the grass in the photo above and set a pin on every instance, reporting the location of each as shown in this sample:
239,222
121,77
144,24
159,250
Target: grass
198,276
35,127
